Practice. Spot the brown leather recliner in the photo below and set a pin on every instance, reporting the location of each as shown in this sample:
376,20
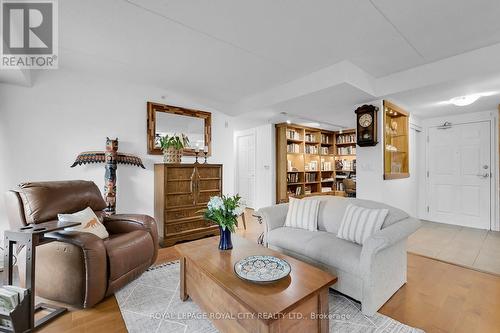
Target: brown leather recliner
80,268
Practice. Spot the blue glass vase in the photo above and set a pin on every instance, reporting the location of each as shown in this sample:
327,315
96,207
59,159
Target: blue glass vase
225,239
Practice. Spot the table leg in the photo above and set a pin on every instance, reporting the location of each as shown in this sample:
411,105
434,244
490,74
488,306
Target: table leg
260,240
30,277
324,310
182,288
7,261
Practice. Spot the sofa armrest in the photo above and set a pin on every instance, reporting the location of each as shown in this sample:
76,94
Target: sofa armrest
95,261
123,223
387,237
273,217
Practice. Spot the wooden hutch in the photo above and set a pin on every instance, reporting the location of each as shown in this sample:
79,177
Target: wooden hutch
312,161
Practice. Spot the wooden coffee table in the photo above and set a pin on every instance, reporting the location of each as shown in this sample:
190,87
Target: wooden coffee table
298,303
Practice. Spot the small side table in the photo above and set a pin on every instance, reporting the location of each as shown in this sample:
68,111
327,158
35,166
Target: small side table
32,236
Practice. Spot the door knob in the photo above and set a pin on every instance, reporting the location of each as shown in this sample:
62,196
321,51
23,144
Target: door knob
484,175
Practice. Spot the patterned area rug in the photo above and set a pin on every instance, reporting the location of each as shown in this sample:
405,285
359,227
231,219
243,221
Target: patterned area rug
152,304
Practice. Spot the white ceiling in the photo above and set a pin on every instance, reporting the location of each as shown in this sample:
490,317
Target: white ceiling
305,57
440,29
318,105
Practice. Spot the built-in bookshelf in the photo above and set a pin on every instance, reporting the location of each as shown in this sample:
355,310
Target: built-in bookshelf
312,161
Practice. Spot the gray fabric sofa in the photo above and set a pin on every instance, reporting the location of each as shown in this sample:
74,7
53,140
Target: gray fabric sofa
371,273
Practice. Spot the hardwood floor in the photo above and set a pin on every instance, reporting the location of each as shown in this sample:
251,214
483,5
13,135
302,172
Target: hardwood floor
438,297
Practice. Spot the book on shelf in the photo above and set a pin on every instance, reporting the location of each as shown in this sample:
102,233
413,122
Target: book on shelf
292,134
325,138
345,165
324,151
310,177
346,150
293,177
311,149
339,186
293,148
307,190
330,179
326,189
346,138
326,166
311,166
309,137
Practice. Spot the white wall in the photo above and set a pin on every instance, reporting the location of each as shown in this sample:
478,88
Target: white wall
370,183
265,166
43,128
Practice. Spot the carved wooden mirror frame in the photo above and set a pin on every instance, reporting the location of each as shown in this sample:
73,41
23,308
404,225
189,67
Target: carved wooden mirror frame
177,110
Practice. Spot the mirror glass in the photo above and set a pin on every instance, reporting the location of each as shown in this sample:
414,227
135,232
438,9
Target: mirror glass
170,124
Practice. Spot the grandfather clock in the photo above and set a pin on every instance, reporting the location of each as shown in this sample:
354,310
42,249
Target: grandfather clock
366,125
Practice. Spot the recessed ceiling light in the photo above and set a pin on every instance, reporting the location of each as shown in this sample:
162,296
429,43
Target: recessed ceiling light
468,99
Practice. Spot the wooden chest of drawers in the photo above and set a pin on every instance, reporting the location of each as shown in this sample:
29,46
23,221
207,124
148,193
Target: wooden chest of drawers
181,191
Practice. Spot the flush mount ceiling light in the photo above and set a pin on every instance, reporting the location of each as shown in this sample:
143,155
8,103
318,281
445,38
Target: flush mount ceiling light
468,99
464,100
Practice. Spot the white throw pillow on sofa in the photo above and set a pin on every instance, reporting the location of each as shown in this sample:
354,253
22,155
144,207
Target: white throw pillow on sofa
302,214
89,222
359,223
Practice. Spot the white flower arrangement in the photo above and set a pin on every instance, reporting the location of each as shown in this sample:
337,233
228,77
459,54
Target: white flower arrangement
224,211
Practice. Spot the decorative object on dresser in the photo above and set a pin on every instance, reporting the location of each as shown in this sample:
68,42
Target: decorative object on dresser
168,119
182,191
396,148
312,161
224,211
173,146
111,158
366,117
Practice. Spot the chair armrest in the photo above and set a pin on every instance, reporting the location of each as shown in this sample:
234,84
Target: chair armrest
95,260
387,237
273,217
123,223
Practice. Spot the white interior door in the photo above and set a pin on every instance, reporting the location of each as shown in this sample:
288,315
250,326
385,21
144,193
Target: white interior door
245,145
459,175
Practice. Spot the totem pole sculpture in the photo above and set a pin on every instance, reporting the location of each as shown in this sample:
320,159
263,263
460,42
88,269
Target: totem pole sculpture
111,158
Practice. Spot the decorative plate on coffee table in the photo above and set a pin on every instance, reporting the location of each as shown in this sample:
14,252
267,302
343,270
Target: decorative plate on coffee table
262,269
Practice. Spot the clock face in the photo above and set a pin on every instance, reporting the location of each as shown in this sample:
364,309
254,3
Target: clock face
365,120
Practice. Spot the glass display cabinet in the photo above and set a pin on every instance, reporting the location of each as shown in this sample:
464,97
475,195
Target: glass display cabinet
396,137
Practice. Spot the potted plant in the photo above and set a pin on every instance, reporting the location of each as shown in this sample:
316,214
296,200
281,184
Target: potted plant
224,212
173,147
